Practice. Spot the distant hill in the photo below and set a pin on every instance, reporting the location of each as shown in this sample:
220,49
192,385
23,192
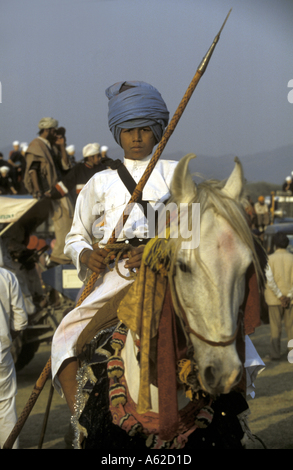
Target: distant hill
271,167
220,168
260,189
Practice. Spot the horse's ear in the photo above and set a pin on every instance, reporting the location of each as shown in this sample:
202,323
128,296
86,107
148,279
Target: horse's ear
183,187
234,184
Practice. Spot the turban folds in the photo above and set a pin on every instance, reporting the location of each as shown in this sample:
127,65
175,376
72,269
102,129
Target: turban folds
136,104
47,123
91,149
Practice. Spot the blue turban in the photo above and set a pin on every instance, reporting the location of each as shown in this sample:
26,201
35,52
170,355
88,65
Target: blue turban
136,104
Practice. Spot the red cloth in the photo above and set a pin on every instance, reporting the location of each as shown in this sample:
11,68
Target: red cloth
251,319
169,351
251,302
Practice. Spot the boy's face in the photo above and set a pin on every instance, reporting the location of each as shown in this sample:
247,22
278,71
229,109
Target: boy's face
137,142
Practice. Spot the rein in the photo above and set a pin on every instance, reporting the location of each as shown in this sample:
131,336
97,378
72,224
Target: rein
207,341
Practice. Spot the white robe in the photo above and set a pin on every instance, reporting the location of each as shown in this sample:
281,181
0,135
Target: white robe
12,317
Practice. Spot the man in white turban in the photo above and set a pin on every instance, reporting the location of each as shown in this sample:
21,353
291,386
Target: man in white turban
81,173
70,149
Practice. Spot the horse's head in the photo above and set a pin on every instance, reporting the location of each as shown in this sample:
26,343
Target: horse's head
210,280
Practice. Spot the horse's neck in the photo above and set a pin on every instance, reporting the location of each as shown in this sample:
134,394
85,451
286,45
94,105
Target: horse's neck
132,376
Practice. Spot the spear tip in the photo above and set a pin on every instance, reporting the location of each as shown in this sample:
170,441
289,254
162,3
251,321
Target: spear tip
224,22
201,69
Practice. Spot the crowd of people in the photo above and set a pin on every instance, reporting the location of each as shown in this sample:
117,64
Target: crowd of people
46,168
13,167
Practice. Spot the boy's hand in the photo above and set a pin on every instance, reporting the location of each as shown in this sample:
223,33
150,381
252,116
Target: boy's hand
134,257
94,259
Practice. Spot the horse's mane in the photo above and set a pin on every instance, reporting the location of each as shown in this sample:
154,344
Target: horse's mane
209,195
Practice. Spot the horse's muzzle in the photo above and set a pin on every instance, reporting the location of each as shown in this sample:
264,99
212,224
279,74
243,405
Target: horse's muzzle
216,379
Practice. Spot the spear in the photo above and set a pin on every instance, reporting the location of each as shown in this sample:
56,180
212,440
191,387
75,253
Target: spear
115,234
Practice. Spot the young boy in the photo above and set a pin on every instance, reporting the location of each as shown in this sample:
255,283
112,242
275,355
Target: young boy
137,118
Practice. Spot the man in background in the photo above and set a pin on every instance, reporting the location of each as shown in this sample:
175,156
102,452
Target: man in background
13,319
70,149
81,173
16,161
279,293
47,163
262,213
6,182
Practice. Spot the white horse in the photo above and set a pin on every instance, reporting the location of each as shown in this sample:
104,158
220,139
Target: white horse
210,280
208,284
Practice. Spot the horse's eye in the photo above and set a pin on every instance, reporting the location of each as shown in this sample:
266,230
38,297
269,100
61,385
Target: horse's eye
184,267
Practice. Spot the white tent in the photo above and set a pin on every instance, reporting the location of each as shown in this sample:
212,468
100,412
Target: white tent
13,207
30,210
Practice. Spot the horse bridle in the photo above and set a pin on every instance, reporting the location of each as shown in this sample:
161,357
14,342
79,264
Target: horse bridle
208,341
190,330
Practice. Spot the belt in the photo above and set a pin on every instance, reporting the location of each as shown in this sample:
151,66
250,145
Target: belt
135,241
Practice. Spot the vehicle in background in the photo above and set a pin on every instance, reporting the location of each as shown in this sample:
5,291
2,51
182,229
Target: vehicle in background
271,230
23,218
281,206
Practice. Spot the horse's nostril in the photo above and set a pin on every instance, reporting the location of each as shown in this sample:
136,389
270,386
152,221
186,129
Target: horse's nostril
210,376
217,381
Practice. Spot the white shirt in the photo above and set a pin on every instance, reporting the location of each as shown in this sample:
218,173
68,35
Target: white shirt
103,200
261,208
12,317
271,283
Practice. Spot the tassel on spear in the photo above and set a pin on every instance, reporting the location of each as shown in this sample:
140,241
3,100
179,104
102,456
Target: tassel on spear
40,383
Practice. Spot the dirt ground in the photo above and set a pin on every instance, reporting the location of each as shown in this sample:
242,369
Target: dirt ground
271,416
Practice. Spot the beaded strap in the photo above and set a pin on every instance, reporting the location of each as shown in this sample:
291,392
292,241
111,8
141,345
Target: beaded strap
115,367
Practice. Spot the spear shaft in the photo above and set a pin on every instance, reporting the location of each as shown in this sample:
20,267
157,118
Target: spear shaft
116,232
